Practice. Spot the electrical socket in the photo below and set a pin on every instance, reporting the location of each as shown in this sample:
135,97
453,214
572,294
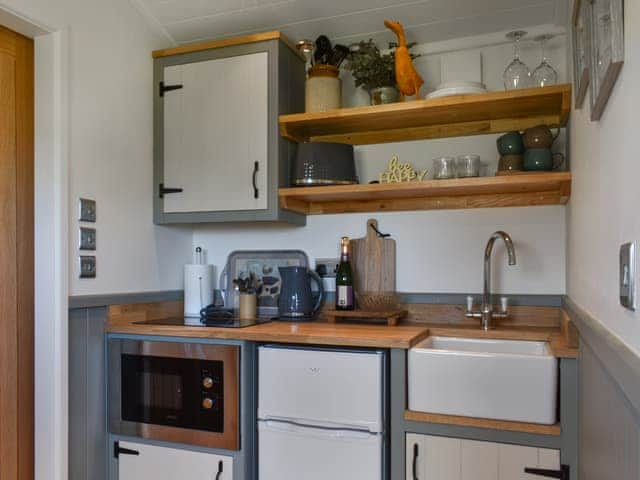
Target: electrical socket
87,238
87,210
327,267
87,266
628,276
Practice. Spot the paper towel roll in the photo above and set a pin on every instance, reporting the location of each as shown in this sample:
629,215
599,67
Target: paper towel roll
198,291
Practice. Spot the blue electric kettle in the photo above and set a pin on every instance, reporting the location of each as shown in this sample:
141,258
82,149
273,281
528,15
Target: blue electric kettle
297,302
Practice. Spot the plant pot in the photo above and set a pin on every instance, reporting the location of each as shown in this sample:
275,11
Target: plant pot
382,95
248,306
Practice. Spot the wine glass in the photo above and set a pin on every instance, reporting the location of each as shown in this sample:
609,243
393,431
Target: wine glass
517,74
544,74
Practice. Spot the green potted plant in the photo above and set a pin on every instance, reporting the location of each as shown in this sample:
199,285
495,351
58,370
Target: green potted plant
374,71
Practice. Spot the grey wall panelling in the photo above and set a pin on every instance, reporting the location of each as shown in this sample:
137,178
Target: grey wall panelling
286,95
566,442
609,417
87,408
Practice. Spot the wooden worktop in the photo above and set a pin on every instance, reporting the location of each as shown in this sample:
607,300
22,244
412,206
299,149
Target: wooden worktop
131,319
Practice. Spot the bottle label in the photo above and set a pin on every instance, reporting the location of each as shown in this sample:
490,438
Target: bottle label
345,296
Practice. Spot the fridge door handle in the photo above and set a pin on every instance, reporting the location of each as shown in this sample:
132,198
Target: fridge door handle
315,431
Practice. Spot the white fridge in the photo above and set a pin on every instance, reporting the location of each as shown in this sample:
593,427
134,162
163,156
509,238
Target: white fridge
320,414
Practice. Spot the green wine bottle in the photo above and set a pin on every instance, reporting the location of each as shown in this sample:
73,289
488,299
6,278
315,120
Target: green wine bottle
344,279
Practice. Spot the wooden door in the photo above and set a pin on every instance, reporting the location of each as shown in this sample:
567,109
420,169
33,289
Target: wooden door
161,463
216,135
16,256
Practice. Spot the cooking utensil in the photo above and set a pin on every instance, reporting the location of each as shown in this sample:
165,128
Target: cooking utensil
323,50
373,259
339,54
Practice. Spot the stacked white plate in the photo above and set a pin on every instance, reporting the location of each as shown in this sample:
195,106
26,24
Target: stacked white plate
458,87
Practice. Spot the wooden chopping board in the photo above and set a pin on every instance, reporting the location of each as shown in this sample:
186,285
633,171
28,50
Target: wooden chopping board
373,261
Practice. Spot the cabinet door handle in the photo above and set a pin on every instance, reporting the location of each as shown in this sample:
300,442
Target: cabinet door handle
256,165
219,474
414,464
118,450
562,474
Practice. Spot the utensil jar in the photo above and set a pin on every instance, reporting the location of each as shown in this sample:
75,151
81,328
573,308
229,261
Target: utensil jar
323,89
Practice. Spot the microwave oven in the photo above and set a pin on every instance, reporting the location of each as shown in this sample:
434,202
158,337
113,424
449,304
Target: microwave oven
173,391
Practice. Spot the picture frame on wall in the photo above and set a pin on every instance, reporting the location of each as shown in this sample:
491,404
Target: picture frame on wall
581,38
607,51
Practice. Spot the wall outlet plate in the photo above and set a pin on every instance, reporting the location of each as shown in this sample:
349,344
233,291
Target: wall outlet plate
87,210
327,267
87,239
628,276
87,266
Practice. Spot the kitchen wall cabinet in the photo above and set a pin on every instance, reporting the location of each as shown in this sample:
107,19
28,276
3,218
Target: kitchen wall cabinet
161,463
218,156
443,458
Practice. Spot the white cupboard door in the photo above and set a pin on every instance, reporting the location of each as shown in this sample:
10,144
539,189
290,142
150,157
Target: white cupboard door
479,460
215,133
161,463
442,458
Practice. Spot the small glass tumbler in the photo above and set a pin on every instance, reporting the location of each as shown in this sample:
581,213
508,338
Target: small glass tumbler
444,167
468,166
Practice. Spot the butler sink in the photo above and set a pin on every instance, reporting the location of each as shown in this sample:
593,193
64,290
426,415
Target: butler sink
498,379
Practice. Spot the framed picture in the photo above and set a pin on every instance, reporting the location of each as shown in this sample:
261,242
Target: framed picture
581,37
607,51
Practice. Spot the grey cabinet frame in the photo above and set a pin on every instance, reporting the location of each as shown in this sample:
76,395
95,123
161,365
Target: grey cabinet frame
286,95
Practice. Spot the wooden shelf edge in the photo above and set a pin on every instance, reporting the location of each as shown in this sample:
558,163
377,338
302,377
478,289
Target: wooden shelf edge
524,427
552,188
461,115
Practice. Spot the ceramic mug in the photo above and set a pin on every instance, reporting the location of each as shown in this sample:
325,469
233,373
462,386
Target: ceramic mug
542,159
539,136
511,163
510,144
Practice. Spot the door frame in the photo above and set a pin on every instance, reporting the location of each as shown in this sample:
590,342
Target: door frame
51,293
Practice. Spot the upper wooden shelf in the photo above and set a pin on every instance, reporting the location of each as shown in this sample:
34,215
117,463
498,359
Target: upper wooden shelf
461,115
545,188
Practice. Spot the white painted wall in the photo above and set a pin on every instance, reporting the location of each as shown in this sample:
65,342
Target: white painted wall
603,211
110,144
439,251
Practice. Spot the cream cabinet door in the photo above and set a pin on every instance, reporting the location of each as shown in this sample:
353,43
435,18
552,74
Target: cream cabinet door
442,458
161,463
216,135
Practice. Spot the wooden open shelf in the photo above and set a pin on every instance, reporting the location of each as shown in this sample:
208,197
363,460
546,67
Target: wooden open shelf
525,427
547,188
456,116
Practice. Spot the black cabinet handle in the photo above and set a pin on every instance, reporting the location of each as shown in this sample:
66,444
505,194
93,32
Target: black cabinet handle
162,190
562,474
219,474
118,450
256,165
414,464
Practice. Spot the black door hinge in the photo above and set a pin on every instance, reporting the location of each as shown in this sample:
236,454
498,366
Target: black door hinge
167,88
162,190
118,450
562,474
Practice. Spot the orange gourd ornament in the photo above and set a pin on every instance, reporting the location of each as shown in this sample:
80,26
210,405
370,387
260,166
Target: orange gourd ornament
408,79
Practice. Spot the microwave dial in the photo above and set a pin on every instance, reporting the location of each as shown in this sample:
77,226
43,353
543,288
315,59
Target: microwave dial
207,382
207,403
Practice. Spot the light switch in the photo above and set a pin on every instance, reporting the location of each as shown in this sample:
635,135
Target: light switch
87,210
628,276
87,266
87,238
